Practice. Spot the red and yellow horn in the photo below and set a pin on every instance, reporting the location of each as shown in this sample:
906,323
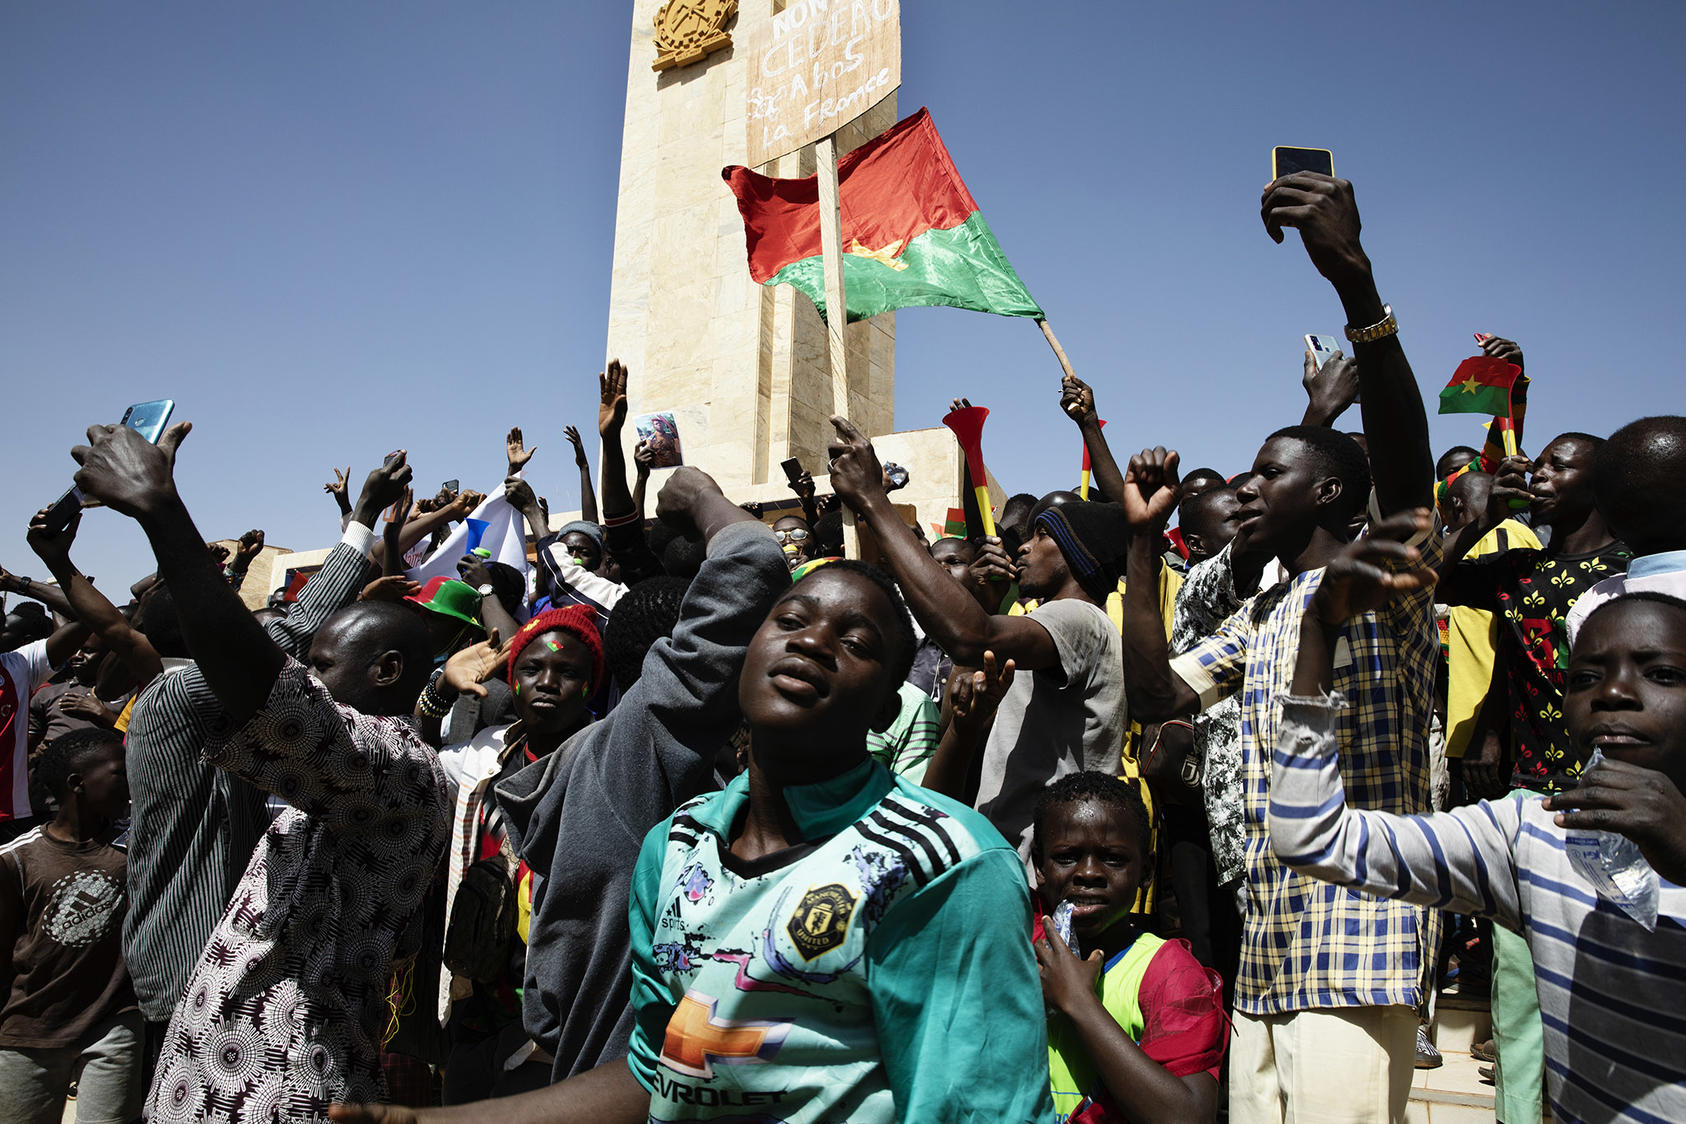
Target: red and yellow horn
967,424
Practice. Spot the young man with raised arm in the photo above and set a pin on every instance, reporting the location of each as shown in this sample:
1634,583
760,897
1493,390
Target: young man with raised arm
1329,979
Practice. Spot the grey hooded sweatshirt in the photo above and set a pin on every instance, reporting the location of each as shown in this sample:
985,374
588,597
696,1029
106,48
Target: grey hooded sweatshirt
579,816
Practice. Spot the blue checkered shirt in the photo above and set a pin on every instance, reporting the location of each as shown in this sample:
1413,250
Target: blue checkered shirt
1308,944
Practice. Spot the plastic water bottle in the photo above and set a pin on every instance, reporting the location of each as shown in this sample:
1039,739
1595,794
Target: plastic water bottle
1615,867
1062,925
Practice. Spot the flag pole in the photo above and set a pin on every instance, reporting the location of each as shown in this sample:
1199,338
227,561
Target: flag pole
831,247
1054,342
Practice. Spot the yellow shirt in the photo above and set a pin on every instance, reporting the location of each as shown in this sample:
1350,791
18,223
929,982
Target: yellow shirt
1472,638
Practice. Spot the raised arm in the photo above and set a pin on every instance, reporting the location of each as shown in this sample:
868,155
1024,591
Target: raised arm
611,418
1149,496
1078,402
588,498
643,460
943,607
418,527
136,478
88,604
974,697
53,598
1325,212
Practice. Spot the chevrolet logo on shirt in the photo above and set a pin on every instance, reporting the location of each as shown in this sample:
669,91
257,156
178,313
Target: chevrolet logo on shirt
696,1039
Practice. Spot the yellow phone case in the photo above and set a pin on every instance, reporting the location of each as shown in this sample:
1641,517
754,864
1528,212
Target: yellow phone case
1275,174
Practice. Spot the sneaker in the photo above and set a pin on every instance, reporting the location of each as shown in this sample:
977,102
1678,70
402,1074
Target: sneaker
1427,1056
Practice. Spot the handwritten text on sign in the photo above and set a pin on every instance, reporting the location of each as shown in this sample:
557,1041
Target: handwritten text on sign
816,66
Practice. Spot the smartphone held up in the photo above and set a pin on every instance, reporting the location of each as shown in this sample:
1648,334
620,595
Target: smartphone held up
1285,161
149,419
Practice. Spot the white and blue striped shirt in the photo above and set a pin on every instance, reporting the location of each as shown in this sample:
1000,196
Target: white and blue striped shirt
1612,995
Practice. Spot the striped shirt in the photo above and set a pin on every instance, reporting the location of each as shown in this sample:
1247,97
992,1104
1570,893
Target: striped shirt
1612,995
906,747
194,826
1307,945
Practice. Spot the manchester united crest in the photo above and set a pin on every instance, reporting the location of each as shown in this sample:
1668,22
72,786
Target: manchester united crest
689,30
821,919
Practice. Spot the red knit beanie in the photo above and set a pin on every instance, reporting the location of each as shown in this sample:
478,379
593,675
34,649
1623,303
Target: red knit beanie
576,619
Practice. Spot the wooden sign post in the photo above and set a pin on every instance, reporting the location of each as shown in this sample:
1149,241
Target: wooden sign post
815,67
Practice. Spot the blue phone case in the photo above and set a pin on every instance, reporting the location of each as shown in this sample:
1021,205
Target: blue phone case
150,419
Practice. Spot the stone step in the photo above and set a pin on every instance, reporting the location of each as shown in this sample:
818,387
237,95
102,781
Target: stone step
1460,1023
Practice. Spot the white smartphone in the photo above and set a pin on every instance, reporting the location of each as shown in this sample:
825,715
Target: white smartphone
1324,348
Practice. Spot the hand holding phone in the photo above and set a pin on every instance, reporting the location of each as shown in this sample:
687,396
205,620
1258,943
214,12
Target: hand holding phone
149,419
128,473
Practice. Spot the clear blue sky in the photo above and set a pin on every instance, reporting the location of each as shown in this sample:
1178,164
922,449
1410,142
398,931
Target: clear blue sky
332,229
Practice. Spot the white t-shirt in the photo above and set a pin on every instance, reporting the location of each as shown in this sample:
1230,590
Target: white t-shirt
1055,721
21,672
1653,573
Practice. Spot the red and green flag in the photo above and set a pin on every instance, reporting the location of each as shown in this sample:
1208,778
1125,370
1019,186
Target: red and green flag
1481,385
912,233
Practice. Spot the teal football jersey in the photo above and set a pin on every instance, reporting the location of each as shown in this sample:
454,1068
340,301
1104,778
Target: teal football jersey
881,972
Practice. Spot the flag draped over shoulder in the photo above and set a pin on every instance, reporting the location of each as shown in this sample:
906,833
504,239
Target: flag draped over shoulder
912,233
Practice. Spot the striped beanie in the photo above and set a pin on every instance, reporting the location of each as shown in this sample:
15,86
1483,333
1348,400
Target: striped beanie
1094,538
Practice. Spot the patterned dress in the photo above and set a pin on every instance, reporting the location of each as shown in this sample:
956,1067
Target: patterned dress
1532,592
284,1011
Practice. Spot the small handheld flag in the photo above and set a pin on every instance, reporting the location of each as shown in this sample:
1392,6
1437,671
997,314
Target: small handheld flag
1480,385
967,424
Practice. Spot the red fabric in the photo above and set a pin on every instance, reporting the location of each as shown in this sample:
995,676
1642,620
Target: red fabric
890,190
575,619
1182,1003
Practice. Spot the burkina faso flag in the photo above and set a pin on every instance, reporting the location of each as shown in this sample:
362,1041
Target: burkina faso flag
912,233
1481,385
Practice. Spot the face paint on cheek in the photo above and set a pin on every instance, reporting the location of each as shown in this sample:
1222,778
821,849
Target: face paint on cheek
518,690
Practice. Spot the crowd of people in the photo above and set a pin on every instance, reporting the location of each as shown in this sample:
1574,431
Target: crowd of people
701,818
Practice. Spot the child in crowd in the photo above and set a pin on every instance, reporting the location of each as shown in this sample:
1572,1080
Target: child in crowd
1608,966
1139,1021
70,1014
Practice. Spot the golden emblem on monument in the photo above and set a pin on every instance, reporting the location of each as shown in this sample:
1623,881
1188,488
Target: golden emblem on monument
687,30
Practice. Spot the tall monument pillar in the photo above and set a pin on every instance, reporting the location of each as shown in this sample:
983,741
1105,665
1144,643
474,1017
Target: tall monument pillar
743,368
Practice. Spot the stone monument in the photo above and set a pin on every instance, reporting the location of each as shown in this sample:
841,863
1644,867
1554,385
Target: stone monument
743,368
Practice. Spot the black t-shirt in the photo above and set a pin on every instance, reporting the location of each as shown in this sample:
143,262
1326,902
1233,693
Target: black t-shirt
1532,592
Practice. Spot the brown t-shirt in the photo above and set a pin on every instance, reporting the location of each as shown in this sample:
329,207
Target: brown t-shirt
67,963
47,715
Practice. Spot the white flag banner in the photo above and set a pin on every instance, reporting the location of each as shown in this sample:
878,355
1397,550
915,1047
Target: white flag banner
495,526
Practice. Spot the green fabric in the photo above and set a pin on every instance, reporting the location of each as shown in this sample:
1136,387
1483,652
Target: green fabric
1474,399
962,267
1518,1034
1072,1075
906,747
927,936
